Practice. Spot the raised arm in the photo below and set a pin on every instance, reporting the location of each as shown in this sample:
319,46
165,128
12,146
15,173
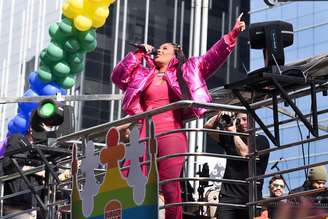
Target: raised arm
216,56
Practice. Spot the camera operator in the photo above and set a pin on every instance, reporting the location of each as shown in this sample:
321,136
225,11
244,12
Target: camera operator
236,169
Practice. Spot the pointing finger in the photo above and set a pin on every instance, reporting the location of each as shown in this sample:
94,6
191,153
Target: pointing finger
239,17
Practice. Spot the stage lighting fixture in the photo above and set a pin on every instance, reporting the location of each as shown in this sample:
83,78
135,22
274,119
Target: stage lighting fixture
49,113
272,37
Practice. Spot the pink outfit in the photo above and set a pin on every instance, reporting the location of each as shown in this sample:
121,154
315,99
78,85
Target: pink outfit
159,94
143,92
131,77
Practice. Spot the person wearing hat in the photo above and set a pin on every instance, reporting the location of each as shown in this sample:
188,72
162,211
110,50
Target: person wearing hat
316,179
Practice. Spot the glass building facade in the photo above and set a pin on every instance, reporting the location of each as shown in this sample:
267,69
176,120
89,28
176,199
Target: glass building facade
310,23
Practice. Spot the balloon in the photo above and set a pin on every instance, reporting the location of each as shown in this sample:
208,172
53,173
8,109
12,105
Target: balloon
99,17
67,82
76,62
19,124
66,27
45,60
82,23
72,45
35,82
28,106
67,11
88,47
87,13
51,89
88,40
45,74
55,32
3,146
55,52
61,69
76,6
87,36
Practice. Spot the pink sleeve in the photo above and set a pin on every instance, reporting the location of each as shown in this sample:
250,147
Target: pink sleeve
216,56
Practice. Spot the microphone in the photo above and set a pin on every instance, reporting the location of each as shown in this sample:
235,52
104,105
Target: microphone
275,165
142,48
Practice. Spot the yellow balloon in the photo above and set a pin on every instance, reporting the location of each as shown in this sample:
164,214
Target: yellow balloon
98,23
99,3
76,6
101,13
67,12
82,23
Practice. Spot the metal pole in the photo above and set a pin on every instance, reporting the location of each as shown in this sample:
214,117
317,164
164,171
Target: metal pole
117,22
175,21
252,165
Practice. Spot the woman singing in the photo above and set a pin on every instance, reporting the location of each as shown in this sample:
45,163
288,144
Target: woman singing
170,77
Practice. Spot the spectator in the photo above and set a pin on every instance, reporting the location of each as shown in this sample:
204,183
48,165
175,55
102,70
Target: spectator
23,201
277,189
277,186
236,169
317,178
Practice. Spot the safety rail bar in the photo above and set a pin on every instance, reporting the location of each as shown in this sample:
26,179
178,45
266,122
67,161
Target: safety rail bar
101,129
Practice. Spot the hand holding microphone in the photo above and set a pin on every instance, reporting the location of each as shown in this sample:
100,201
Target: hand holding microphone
145,48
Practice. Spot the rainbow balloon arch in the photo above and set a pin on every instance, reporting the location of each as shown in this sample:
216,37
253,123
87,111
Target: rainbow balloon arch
64,58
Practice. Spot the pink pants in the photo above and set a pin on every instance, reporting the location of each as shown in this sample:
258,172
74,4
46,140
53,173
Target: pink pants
168,169
171,168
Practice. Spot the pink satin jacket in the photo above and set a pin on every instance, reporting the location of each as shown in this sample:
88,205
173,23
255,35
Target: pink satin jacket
131,77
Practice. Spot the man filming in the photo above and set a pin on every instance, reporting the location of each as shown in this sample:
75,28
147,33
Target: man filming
236,169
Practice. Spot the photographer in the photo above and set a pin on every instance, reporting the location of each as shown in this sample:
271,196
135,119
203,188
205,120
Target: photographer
236,169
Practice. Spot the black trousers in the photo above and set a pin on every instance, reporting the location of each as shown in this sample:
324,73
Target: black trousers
227,212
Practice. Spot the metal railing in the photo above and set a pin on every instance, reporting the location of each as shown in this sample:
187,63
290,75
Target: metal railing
97,133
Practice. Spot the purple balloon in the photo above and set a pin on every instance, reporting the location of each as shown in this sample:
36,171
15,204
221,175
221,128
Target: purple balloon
3,146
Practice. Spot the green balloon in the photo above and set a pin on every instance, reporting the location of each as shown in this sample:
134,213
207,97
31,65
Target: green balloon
88,47
45,74
87,36
77,68
55,33
76,58
45,59
55,52
67,82
76,62
61,69
67,27
71,45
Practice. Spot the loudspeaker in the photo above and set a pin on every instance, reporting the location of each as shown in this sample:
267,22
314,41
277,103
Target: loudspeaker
272,37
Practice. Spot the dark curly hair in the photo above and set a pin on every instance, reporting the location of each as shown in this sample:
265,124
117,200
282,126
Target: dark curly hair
182,83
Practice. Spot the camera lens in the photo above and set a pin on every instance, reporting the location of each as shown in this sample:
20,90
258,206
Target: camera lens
225,121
